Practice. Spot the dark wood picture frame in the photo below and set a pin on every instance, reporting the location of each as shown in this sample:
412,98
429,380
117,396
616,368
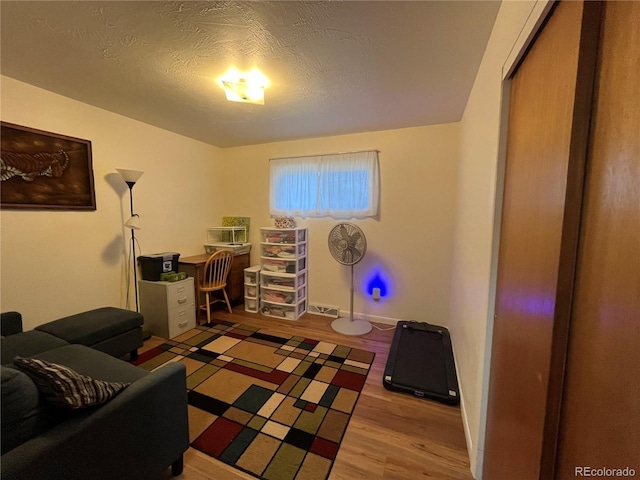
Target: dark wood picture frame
44,170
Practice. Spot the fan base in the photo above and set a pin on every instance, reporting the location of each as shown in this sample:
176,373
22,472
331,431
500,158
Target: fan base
347,326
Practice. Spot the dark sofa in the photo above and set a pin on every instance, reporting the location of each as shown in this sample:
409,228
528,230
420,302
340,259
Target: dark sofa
109,329
136,435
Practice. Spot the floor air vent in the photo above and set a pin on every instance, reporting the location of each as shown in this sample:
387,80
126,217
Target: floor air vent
326,310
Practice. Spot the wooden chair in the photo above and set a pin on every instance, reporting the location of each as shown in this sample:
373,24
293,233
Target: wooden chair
215,273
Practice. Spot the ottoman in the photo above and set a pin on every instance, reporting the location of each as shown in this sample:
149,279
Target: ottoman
109,329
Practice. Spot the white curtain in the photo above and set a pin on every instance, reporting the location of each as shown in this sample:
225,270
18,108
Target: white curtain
344,185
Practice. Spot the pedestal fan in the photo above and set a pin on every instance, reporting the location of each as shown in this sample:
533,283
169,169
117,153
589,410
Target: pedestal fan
348,245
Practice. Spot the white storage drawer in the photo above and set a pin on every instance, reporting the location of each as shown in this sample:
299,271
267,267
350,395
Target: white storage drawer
251,291
280,296
251,304
290,312
251,275
283,281
283,266
284,252
283,235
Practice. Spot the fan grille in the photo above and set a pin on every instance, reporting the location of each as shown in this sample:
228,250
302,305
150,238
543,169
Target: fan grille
347,243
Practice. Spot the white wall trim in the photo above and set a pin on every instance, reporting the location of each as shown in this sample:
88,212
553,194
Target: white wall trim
505,95
529,29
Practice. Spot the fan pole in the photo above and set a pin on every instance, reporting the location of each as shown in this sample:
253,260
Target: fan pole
351,326
351,299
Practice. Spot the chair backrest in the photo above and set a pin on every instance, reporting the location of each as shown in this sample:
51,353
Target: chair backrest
216,269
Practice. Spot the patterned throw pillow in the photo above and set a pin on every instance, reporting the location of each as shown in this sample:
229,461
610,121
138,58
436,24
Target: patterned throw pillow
64,387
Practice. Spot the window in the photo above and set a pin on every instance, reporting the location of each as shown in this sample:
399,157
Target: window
344,185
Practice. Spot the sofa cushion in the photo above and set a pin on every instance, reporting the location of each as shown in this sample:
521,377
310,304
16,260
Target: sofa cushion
24,414
94,364
27,344
94,326
65,387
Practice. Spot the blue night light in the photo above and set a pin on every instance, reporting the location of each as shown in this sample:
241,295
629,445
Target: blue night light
377,281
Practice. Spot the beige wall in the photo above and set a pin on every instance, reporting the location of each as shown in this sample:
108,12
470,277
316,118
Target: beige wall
410,243
478,216
55,263
71,261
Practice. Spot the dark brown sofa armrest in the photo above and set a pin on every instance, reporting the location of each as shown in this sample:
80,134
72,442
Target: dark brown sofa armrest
10,323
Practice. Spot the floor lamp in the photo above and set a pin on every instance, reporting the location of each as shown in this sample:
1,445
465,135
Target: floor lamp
131,177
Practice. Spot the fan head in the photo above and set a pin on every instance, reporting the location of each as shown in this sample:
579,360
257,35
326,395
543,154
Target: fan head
347,243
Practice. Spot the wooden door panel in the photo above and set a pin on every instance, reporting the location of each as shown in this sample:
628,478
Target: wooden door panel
534,208
600,424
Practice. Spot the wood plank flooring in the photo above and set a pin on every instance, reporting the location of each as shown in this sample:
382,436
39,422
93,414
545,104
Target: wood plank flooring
391,436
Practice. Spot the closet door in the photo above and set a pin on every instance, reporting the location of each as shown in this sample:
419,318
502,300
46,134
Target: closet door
546,148
600,424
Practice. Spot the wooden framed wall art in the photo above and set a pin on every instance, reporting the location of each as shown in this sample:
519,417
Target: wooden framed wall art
44,170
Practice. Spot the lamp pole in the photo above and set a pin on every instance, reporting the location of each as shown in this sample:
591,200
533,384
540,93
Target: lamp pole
131,177
133,246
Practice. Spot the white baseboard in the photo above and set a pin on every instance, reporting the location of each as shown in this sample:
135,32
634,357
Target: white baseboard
467,435
471,449
371,318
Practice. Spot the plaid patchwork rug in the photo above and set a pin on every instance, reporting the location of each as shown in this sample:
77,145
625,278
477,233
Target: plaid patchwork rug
274,407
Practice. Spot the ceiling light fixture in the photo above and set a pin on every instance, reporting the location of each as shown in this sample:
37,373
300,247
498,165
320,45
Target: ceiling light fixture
246,88
244,92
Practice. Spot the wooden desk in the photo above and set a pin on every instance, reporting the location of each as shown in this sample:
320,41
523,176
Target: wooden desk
194,267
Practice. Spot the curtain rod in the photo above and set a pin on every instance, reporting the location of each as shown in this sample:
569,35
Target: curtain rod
324,154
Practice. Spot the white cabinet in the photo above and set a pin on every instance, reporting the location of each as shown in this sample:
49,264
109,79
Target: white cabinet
168,308
283,274
251,288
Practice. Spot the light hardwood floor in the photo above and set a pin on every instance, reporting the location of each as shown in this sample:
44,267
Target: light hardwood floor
391,436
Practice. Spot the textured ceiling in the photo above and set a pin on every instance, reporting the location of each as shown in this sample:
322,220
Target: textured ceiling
334,67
